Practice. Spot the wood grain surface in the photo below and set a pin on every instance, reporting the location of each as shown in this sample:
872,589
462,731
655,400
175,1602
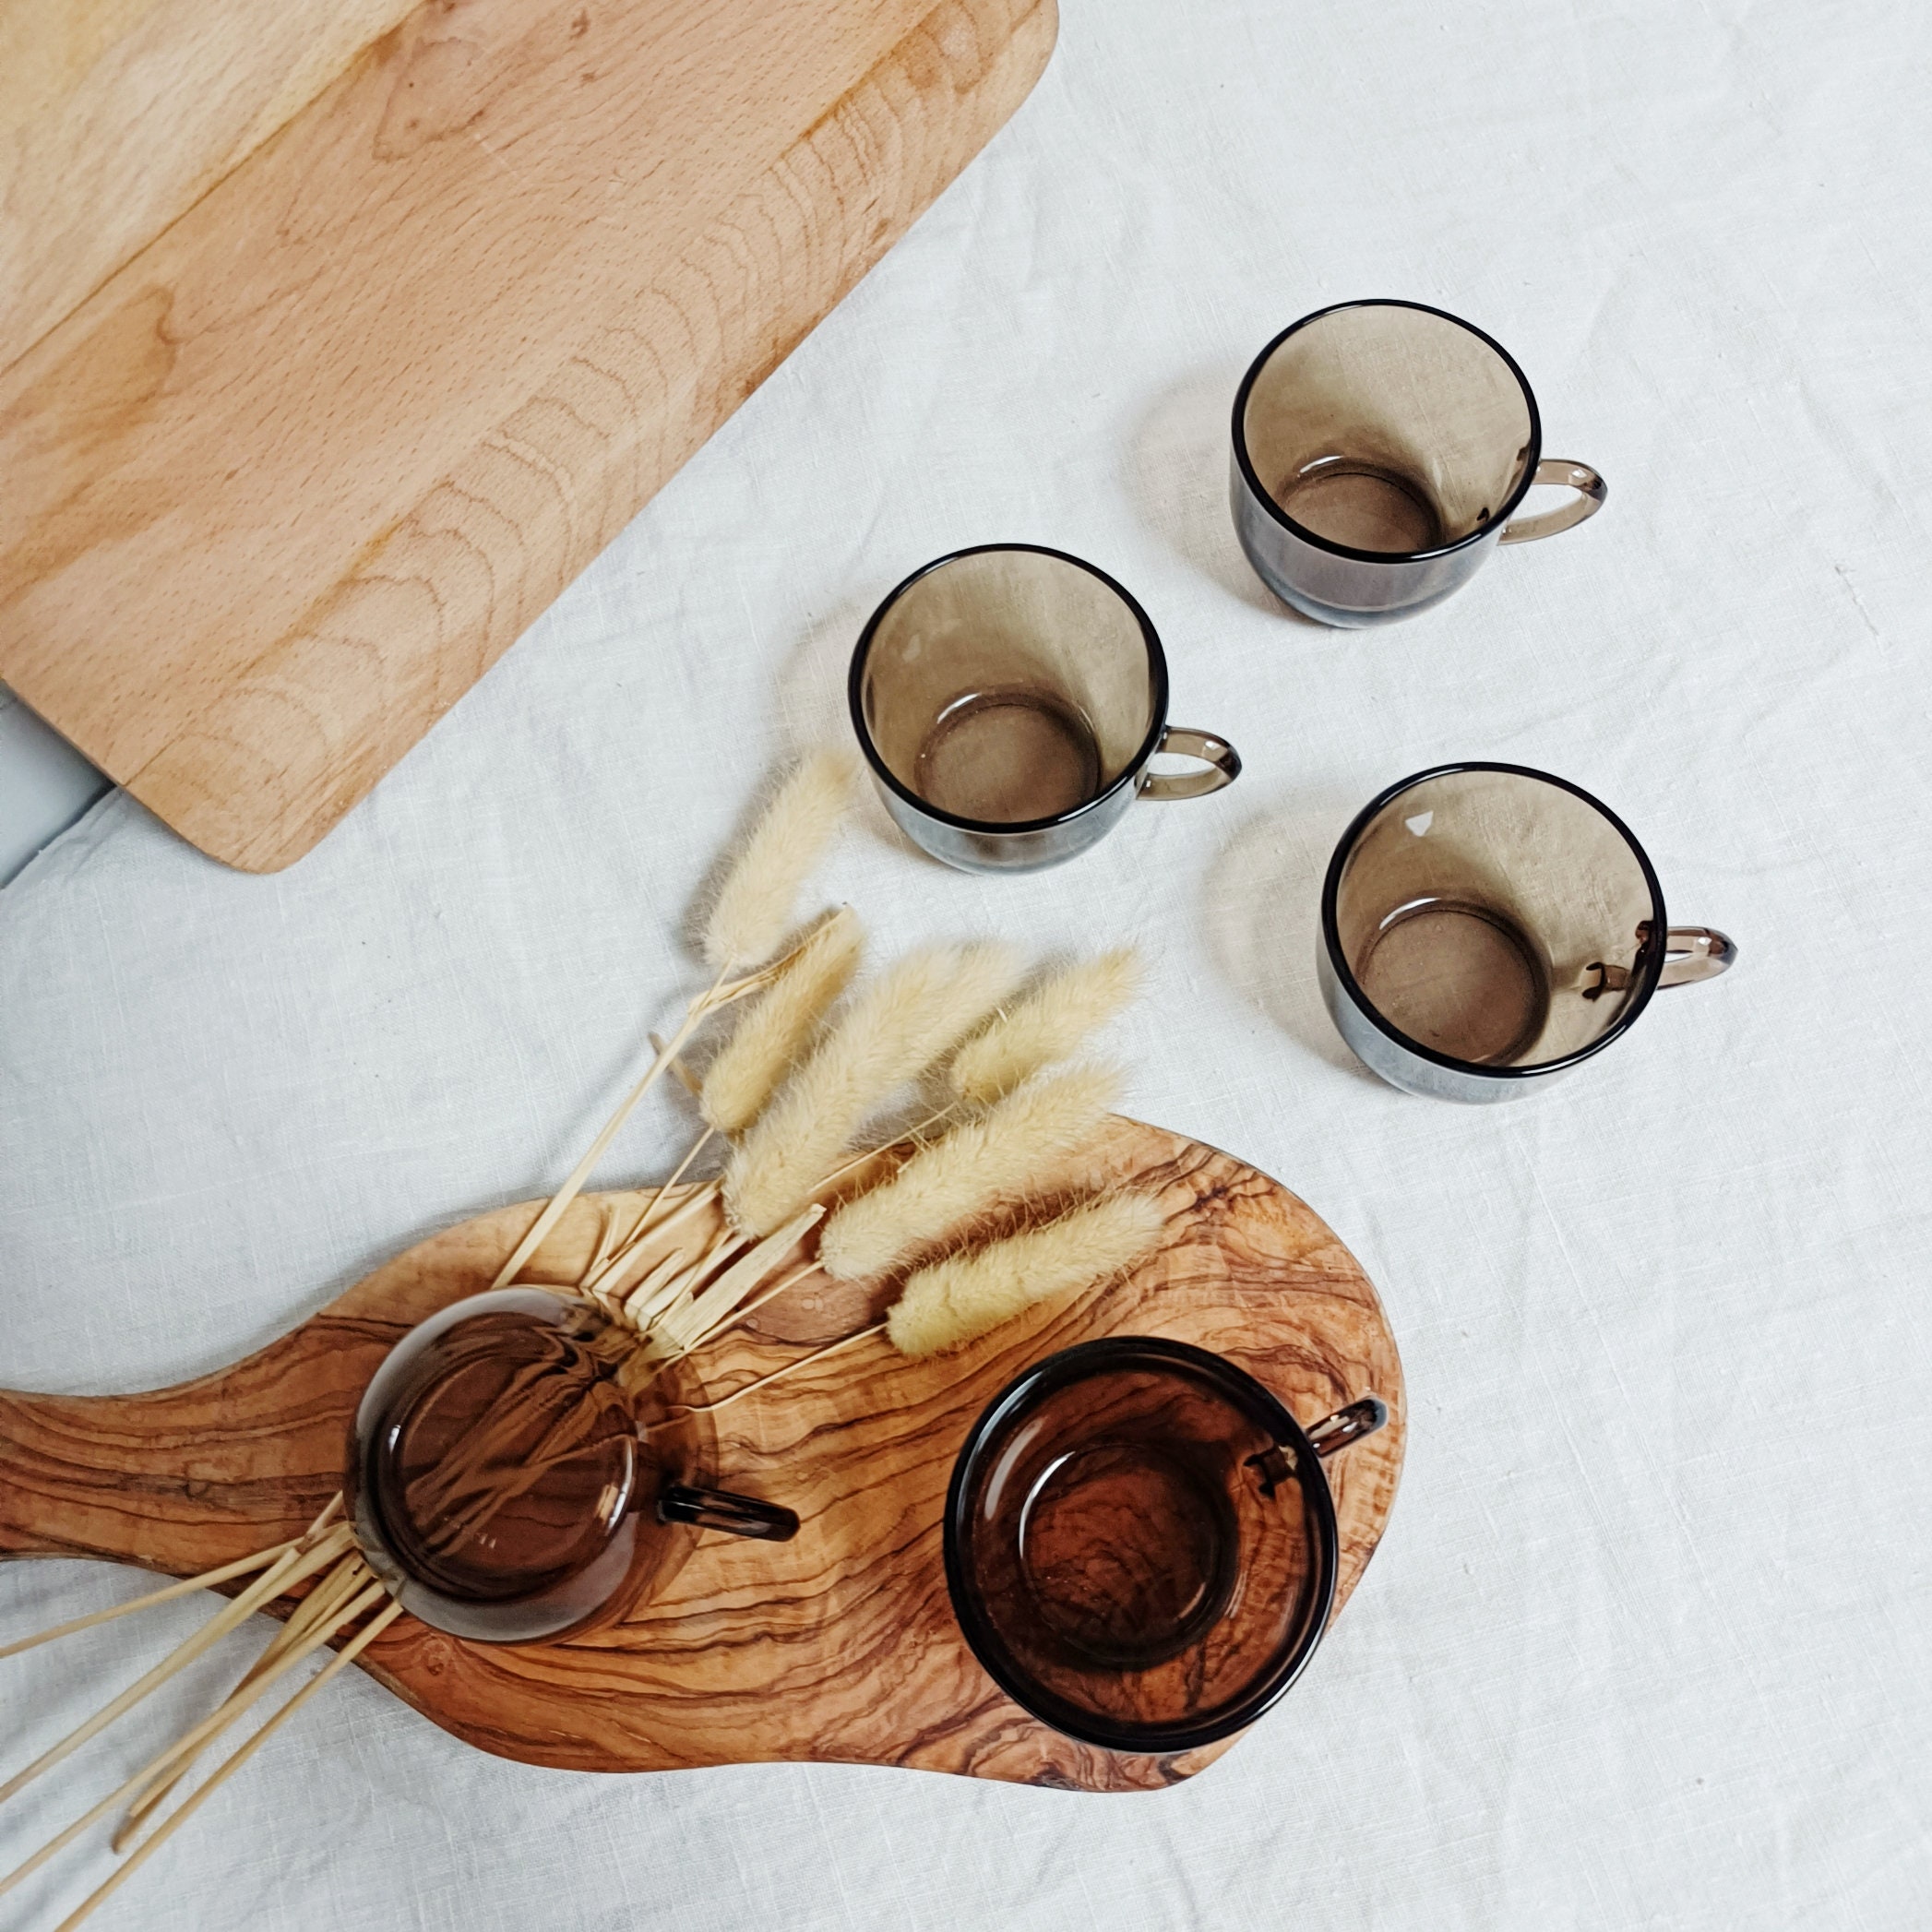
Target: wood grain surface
116,116
839,1646
300,469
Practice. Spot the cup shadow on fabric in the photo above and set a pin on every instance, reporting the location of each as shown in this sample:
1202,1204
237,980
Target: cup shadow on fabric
812,708
1262,906
1177,474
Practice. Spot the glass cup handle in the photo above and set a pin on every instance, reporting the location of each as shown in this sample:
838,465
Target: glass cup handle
1334,1433
1223,763
1695,952
719,1509
1590,490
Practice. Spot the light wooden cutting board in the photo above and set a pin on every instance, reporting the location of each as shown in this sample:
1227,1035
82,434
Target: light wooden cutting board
337,336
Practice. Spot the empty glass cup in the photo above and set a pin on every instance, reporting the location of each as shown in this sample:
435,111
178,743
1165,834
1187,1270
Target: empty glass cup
501,1481
1009,699
1141,1542
1486,927
1380,450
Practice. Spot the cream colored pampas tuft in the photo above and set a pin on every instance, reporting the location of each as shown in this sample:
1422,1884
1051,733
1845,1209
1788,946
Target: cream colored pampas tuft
964,1297
996,1157
753,906
1045,1025
894,1029
762,1047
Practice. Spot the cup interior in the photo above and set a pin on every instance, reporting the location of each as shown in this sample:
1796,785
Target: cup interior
1140,1544
494,1471
1495,918
1008,687
1391,430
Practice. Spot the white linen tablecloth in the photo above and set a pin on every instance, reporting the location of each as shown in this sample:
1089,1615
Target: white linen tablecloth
1649,1640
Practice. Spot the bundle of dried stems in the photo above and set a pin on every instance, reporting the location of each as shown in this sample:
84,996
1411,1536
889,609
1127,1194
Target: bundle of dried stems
793,1091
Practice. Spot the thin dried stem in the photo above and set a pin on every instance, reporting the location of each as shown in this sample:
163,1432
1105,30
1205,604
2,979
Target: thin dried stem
287,1646
340,1661
206,1581
683,1329
770,1295
561,1199
252,1688
765,1381
283,1574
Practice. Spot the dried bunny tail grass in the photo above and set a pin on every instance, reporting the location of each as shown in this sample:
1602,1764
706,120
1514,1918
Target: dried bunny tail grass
754,905
894,1029
957,1300
996,1157
1045,1025
763,1045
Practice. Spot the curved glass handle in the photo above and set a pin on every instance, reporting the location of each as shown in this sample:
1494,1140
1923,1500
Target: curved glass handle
1590,490
1695,952
719,1509
1223,763
1334,1433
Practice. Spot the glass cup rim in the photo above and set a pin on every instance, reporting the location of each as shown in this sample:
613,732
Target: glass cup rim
1266,497
1650,968
1157,679
1077,1363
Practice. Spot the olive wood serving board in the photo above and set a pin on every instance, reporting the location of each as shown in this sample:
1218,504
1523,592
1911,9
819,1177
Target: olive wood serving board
839,1646
336,339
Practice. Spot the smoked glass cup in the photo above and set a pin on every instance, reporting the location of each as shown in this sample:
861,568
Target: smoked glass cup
1484,928
1380,451
1141,1542
1008,700
501,1483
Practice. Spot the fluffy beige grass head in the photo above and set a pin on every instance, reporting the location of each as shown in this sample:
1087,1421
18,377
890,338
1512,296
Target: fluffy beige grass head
957,1300
753,910
997,1157
892,1031
779,1025
1045,1025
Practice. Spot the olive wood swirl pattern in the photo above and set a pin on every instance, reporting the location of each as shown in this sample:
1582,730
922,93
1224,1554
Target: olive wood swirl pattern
839,1646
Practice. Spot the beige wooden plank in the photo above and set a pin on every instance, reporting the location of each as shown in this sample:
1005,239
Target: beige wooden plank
117,116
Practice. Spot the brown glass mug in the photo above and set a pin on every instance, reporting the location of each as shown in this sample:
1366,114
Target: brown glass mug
1380,451
501,1483
1141,1542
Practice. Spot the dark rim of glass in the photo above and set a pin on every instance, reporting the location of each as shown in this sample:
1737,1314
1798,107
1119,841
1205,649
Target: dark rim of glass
1649,961
1265,498
1130,772
1075,1364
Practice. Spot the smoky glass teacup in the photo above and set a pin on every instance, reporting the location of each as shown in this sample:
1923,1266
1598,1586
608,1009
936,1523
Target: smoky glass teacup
1487,927
1009,701
1381,450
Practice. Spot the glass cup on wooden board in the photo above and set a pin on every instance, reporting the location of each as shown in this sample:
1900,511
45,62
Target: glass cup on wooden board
1009,701
1380,451
505,1487
1141,1542
1486,928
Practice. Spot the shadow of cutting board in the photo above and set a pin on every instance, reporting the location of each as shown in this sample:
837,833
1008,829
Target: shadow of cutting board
839,1646
336,339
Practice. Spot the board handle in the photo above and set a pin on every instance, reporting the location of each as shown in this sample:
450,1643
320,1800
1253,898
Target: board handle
181,1480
